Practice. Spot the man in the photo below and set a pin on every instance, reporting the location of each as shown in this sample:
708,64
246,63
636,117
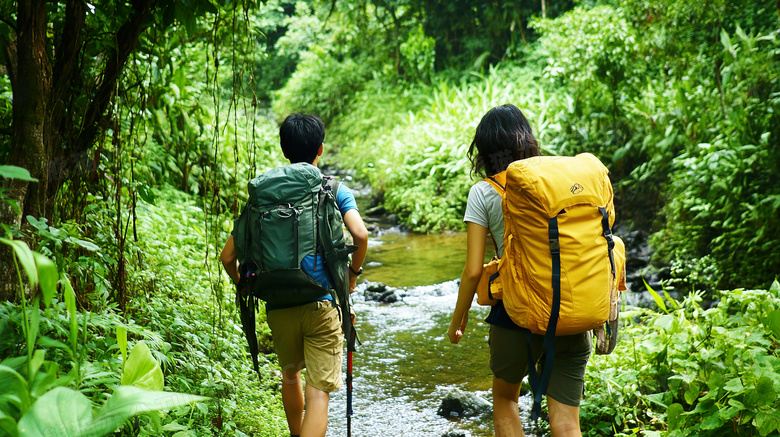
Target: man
309,335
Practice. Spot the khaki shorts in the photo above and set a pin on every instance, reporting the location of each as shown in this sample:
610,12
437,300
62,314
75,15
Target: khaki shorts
509,361
309,336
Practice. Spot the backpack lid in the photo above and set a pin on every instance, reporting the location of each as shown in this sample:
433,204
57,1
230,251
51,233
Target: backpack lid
284,184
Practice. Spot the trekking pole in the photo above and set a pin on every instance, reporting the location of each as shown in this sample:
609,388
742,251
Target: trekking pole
350,349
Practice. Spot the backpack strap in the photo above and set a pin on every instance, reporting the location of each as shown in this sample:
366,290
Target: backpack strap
498,181
608,237
538,382
336,257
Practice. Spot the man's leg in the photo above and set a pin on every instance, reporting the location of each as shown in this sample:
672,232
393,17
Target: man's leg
315,421
506,416
564,419
292,399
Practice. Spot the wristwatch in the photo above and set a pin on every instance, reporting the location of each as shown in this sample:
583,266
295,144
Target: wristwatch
356,273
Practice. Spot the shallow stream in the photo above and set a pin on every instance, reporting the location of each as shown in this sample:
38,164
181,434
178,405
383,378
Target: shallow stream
405,365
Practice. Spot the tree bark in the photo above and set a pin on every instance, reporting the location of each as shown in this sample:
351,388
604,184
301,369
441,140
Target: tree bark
50,132
31,84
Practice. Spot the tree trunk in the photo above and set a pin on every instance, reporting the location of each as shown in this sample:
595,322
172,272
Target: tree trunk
31,83
51,131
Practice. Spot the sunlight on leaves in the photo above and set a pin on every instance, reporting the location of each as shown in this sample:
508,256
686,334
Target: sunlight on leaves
141,370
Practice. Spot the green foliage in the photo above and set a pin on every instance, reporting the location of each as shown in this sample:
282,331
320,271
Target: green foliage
321,85
35,401
723,192
691,371
418,53
192,308
419,161
470,33
592,53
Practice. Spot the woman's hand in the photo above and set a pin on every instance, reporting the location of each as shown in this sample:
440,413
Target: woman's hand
457,329
476,236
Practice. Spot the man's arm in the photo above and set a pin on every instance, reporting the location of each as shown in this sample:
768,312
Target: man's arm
229,259
357,228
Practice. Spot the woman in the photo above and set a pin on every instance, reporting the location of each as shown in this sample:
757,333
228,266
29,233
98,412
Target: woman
502,136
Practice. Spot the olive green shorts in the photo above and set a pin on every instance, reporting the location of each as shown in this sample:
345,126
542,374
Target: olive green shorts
309,336
509,361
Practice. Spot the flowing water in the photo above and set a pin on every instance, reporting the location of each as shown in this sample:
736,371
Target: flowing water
406,364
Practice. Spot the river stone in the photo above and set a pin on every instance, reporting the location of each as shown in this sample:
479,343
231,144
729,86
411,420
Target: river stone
377,291
459,404
456,433
375,287
388,297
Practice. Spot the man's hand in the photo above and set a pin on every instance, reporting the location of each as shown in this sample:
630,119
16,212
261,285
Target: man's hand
352,281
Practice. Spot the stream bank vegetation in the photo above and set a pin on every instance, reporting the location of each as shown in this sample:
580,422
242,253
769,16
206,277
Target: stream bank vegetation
121,184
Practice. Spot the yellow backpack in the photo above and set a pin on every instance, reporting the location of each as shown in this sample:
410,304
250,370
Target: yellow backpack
558,274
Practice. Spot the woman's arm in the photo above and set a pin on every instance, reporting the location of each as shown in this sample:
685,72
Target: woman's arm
476,235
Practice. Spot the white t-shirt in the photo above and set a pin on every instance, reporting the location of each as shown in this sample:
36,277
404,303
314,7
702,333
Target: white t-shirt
483,207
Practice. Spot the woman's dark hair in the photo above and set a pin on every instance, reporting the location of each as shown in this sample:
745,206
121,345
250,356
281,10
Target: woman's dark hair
301,136
503,136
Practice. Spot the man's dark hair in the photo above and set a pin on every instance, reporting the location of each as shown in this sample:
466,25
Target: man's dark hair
301,136
502,136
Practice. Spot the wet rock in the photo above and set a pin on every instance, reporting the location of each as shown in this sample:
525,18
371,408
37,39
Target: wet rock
379,292
388,297
377,210
463,404
375,287
456,433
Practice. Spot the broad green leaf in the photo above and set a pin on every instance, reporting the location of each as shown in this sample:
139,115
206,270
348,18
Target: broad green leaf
729,412
35,322
674,303
13,388
775,288
13,172
70,304
48,276
50,342
61,412
121,341
767,422
712,421
25,257
92,247
734,385
772,322
37,361
765,389
8,425
48,378
673,416
658,299
142,370
128,401
692,393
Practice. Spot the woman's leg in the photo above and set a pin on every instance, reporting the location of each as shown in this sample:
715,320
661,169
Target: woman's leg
506,416
564,419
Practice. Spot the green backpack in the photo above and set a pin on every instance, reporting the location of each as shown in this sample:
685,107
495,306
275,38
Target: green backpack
291,213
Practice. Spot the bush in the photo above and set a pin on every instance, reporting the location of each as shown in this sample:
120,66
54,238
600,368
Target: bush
691,371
